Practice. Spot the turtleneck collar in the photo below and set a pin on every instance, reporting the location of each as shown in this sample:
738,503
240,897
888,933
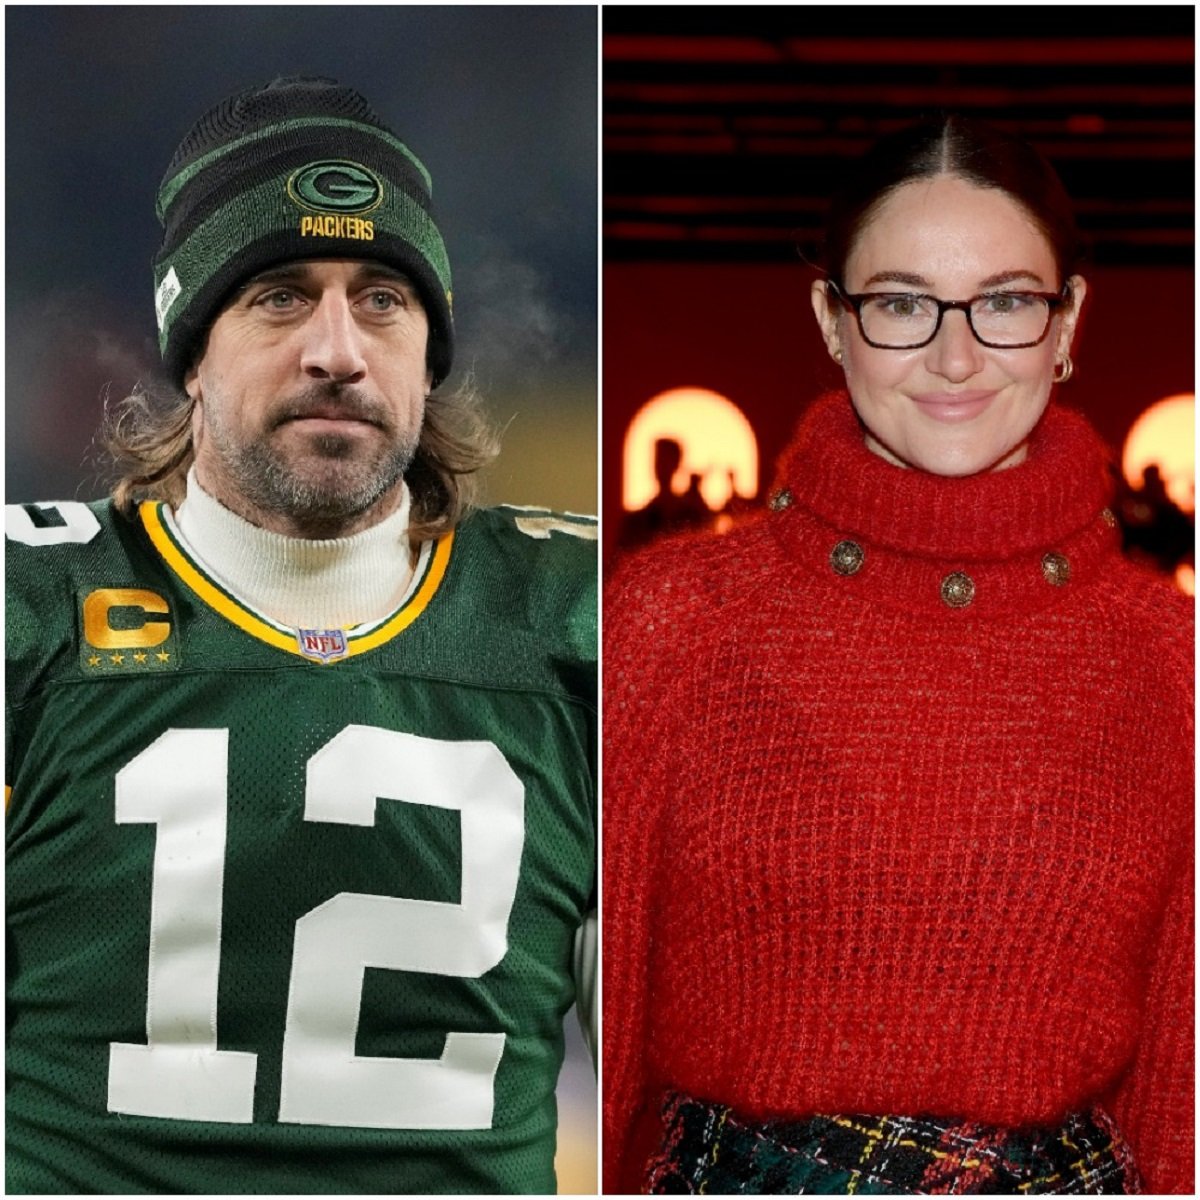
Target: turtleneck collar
910,529
1060,488
326,583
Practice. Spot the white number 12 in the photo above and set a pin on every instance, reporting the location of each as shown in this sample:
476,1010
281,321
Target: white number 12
179,784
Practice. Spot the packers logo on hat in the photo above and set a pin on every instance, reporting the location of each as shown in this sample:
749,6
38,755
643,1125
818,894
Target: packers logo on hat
299,168
335,185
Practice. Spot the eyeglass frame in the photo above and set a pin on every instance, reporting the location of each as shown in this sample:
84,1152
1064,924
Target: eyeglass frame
855,301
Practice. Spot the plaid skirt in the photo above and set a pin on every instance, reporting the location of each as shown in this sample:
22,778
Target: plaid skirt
707,1149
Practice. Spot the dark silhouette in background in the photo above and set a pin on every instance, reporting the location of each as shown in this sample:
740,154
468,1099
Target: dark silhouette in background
1154,530
667,511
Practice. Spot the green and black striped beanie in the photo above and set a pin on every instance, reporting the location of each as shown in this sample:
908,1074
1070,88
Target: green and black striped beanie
301,168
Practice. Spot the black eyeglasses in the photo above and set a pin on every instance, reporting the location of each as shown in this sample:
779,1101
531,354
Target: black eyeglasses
1007,320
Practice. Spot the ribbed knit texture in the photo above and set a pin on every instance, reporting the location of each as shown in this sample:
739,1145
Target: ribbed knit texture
868,853
324,583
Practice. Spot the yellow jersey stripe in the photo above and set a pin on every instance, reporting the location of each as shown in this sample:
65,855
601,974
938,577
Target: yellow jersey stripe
221,602
416,605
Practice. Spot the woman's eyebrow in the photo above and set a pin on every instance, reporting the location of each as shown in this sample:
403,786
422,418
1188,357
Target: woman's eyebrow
1011,277
1001,277
898,277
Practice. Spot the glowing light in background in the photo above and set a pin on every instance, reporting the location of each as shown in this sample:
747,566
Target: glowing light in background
1164,435
1185,579
718,444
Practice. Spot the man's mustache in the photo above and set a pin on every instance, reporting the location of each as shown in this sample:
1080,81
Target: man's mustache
334,402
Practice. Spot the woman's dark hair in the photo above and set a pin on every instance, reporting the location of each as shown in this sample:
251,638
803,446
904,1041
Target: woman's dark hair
964,148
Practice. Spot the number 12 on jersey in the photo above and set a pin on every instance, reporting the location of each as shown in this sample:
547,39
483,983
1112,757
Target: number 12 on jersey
179,784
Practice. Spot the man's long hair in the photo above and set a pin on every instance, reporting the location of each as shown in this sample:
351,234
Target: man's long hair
148,436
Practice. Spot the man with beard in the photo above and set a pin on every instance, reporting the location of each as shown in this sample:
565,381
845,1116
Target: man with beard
301,743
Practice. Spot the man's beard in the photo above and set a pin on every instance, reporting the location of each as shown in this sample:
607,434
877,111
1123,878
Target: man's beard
339,477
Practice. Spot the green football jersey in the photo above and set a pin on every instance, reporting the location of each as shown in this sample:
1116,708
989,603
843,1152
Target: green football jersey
293,911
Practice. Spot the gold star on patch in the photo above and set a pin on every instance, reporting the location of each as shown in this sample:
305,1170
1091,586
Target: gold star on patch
163,656
117,659
94,661
140,657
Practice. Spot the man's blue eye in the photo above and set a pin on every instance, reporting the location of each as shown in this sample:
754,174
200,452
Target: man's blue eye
384,301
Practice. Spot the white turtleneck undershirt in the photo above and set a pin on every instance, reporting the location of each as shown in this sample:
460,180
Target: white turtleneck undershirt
324,584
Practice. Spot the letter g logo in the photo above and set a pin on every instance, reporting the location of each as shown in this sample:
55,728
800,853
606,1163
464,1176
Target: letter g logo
335,186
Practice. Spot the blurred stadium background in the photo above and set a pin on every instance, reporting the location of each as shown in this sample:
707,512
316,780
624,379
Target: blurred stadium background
500,104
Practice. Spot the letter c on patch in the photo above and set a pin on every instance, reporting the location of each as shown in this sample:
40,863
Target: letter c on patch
100,633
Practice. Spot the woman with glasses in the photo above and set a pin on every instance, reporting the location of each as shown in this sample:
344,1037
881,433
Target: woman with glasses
898,817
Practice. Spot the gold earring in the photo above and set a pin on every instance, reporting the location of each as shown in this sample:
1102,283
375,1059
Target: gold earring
837,355
1064,368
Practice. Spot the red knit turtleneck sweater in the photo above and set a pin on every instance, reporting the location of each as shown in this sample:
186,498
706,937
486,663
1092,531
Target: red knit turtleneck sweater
866,852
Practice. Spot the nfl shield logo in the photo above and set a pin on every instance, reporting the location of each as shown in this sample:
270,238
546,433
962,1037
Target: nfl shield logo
324,645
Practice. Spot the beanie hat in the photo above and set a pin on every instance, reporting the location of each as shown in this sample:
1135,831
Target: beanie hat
301,168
